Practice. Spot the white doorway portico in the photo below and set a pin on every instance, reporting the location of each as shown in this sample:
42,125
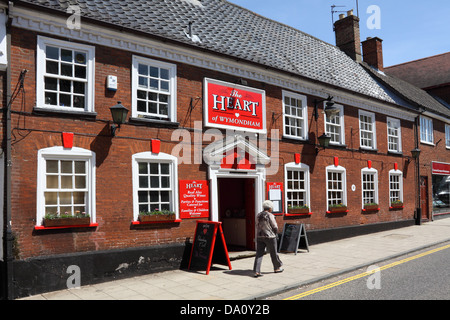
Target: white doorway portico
237,158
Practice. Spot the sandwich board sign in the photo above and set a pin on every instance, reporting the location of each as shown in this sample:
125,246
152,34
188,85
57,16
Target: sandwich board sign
209,247
293,238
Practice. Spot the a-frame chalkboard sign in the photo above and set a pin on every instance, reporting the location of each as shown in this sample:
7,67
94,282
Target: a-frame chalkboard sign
209,247
293,238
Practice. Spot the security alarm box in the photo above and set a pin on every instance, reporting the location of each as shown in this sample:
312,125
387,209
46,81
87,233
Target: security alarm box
111,83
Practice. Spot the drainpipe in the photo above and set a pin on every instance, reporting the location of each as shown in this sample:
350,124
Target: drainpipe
418,217
9,238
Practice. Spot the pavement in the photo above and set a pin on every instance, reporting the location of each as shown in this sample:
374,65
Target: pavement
321,262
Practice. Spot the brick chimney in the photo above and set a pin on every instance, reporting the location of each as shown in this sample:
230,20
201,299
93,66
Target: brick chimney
347,35
373,52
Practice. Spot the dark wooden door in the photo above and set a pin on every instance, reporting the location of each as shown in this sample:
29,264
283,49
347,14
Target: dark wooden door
424,203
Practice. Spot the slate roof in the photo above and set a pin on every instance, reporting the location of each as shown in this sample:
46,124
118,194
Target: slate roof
410,92
424,73
231,30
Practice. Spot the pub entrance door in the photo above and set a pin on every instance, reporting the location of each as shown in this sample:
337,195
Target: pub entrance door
236,201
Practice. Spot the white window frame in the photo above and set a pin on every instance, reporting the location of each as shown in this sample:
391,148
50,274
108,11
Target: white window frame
447,136
292,166
72,154
3,46
304,118
398,173
155,158
42,42
395,122
172,101
426,130
341,125
343,171
373,172
373,132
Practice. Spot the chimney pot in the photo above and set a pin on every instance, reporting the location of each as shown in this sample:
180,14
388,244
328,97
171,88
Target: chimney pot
350,13
341,16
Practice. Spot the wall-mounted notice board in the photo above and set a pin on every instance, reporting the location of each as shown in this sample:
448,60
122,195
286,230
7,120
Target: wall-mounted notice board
275,194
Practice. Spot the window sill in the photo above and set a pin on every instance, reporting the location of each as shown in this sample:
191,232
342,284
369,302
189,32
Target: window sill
374,150
295,138
337,145
427,143
395,153
371,210
396,208
91,225
338,210
154,122
297,214
65,113
136,223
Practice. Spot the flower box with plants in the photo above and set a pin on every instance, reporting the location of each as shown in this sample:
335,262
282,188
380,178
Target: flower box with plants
66,219
337,208
397,204
298,210
371,206
156,216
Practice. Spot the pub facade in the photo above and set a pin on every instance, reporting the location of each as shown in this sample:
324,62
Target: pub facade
123,135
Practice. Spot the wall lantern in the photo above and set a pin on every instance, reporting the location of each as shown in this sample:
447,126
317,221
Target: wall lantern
119,115
415,153
324,141
330,110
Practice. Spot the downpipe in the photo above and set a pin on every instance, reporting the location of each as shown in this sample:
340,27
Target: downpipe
9,237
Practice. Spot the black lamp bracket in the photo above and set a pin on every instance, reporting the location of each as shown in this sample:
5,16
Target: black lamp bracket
114,128
316,106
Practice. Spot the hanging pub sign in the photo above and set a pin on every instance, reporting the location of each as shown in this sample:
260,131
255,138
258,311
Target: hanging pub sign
233,106
194,199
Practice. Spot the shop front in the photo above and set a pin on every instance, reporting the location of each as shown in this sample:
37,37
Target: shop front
441,188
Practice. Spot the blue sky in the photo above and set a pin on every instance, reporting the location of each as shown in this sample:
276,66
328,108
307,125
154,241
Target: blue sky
410,30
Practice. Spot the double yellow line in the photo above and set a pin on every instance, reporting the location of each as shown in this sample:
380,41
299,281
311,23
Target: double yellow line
365,274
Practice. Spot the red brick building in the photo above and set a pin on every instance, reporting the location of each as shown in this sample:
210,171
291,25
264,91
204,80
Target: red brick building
221,116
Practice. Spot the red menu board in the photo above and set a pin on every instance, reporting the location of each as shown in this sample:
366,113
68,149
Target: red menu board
194,199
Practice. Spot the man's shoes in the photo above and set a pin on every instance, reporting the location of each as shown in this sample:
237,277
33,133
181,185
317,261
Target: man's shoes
257,275
279,270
